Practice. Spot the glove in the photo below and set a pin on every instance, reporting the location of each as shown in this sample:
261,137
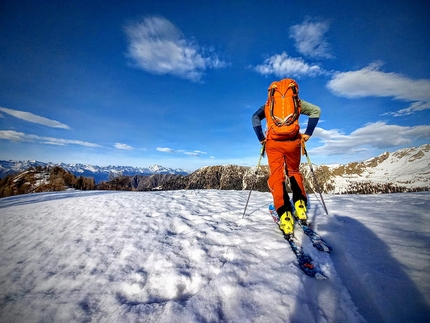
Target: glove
303,139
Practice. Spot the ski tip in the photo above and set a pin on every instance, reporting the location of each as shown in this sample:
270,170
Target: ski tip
322,247
320,276
311,271
326,249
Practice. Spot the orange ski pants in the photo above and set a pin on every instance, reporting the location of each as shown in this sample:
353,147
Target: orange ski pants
284,159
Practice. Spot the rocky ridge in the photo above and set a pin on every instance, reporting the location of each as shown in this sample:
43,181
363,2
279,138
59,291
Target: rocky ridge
404,170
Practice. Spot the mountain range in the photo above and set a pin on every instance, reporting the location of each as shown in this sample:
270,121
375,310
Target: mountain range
404,170
99,173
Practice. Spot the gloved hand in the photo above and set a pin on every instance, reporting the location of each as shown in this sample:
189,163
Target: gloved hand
305,137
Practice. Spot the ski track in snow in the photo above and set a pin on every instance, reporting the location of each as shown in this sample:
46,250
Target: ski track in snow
188,256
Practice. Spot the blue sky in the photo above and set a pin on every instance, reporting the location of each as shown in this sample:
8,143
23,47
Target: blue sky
138,83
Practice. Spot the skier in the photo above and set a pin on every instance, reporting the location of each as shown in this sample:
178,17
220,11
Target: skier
284,157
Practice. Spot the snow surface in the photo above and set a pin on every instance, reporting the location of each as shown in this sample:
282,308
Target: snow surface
188,256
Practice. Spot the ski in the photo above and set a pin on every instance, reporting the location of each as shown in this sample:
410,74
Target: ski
315,238
305,261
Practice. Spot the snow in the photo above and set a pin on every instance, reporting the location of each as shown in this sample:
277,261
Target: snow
188,256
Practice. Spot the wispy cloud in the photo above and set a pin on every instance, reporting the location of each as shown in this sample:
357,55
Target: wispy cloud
123,146
166,150
310,42
370,81
283,65
192,153
195,153
414,107
159,47
20,136
373,135
309,38
30,117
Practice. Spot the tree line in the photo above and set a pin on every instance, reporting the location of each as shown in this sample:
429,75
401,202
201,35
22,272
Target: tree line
43,179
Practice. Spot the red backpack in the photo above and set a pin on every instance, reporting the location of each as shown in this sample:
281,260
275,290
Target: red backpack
283,110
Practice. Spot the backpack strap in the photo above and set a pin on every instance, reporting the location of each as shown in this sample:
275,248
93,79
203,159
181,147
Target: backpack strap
296,104
275,119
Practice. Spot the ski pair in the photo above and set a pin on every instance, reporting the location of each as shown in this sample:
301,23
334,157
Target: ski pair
305,261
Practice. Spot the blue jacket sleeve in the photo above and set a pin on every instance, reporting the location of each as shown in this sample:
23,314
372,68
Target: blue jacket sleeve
312,123
256,123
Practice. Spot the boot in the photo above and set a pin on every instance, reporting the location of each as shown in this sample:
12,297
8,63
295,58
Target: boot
286,223
300,207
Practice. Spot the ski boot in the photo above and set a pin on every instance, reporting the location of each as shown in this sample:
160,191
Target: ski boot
300,213
286,224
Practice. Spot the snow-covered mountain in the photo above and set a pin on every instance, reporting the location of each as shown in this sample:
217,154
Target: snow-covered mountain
99,173
407,168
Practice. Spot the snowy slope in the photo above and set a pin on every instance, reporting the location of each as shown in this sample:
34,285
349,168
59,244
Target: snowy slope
408,167
188,256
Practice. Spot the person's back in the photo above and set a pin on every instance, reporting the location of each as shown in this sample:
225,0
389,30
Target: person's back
284,151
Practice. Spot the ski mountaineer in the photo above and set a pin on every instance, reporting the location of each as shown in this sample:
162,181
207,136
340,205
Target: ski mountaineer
284,159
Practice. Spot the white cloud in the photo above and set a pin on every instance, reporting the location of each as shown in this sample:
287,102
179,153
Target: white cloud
414,107
373,135
200,152
157,46
166,150
123,146
191,153
370,81
309,38
195,153
283,65
30,117
20,136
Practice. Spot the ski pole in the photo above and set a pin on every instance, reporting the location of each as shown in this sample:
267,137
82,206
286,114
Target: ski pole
263,148
314,177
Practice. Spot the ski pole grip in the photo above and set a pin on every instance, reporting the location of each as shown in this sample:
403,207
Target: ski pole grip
303,146
263,149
